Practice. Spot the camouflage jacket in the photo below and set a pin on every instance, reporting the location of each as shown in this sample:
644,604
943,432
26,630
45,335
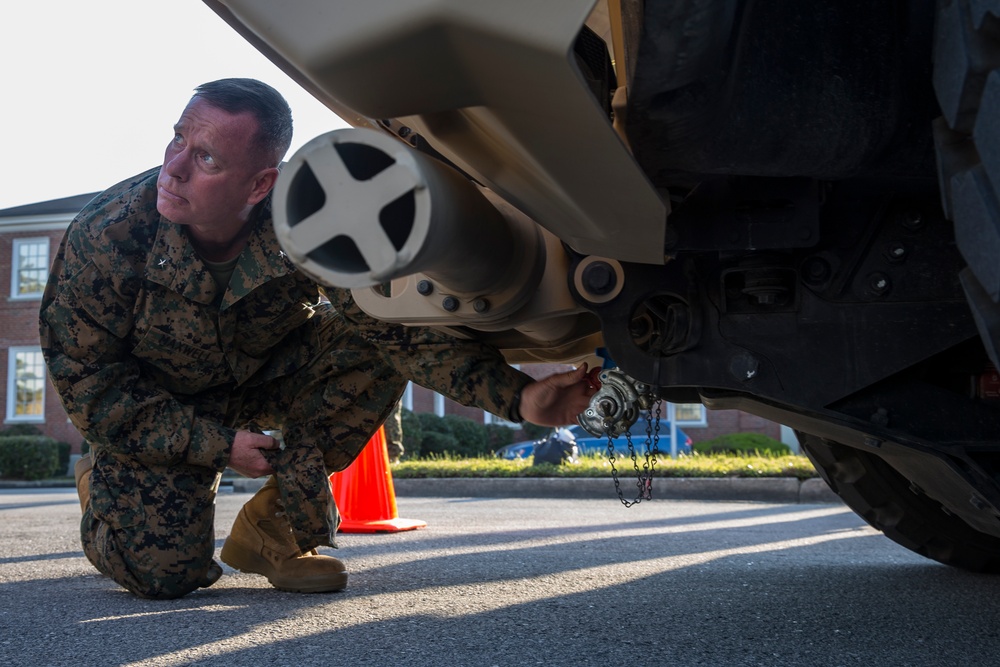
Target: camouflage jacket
140,346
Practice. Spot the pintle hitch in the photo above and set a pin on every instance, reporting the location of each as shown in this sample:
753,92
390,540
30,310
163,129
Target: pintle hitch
612,411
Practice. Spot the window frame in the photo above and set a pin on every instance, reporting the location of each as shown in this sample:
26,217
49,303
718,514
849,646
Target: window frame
12,416
16,269
703,421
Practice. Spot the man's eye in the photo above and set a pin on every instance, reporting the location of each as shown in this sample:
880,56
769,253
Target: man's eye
207,159
178,138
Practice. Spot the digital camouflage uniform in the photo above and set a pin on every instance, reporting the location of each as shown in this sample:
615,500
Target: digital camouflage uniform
157,371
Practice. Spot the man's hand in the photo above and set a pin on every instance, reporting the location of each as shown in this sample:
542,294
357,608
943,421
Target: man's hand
246,456
558,399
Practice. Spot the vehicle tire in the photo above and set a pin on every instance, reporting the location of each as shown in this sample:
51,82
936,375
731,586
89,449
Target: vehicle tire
967,141
887,501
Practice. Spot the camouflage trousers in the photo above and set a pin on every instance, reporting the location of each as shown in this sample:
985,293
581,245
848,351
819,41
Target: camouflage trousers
151,527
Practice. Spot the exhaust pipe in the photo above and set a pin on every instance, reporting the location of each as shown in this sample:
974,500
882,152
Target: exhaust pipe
356,208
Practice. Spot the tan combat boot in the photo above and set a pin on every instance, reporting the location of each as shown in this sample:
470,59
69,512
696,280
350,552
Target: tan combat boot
81,472
261,542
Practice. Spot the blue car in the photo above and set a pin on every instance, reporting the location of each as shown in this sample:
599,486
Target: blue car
589,444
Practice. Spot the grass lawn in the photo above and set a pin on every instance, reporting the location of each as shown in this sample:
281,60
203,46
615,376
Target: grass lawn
697,465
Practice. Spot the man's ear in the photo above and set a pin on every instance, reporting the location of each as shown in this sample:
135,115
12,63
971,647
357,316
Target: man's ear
262,183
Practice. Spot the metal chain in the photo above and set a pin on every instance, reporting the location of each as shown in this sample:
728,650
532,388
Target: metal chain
644,478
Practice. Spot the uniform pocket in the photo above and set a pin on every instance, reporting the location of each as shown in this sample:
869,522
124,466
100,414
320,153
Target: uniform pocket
178,366
258,336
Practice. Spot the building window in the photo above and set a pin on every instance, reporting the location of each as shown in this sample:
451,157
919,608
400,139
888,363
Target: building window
29,268
690,414
25,385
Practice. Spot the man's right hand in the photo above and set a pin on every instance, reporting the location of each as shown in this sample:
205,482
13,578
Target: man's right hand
246,456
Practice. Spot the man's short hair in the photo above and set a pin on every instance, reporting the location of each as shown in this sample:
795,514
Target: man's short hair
264,103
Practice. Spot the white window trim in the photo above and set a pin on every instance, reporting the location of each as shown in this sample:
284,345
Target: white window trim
695,422
15,266
12,353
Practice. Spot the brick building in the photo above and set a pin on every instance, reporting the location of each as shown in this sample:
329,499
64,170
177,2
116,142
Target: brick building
29,236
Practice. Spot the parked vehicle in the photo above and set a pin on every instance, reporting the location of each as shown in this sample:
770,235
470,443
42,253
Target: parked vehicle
516,450
526,448
590,444
788,208
642,433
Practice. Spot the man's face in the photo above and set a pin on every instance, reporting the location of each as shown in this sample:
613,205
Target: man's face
209,174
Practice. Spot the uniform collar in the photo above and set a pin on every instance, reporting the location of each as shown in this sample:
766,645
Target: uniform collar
261,260
174,263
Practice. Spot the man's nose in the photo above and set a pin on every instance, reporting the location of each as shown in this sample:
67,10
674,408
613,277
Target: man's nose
175,163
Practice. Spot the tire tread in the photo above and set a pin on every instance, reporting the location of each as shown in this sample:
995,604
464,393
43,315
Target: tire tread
885,499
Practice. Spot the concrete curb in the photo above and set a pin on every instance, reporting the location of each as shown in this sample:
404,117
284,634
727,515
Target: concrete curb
769,489
764,489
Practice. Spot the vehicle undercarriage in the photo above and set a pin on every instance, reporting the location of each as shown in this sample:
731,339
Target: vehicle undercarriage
781,207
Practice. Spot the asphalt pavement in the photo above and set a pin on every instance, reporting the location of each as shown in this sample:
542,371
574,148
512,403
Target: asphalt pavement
518,581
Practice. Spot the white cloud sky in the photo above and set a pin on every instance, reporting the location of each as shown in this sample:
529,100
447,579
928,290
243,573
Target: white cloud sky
89,91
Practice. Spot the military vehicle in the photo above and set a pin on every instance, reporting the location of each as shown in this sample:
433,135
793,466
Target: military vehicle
788,208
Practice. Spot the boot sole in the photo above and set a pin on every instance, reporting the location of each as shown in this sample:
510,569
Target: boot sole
245,560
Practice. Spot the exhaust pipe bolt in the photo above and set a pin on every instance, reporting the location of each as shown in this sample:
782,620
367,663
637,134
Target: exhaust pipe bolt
599,278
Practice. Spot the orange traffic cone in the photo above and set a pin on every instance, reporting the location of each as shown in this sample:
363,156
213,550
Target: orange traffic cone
365,495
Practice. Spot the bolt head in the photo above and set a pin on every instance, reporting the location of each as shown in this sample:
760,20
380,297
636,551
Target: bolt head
599,278
816,270
879,283
895,251
912,220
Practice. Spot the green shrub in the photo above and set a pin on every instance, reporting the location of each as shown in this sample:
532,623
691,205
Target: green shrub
534,431
427,435
21,429
431,423
435,443
498,435
28,457
64,449
471,437
452,435
413,434
742,443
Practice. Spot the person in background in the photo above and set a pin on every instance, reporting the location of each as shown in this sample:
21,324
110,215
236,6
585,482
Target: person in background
394,433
